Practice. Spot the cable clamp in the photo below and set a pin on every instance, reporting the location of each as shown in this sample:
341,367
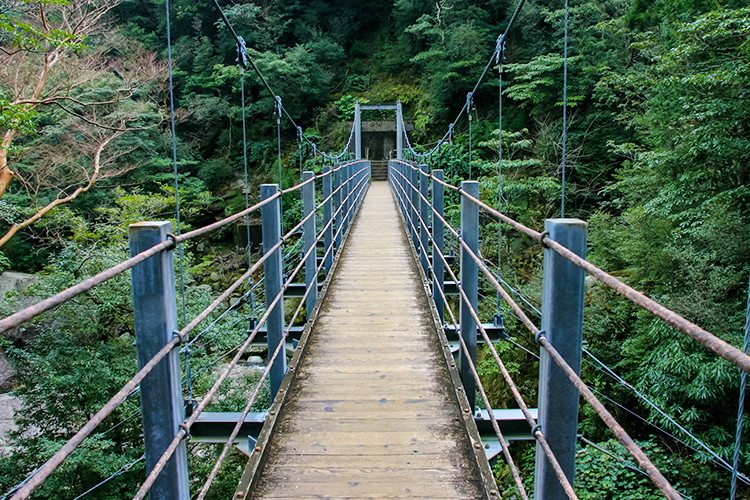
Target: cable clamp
541,239
179,337
185,428
242,52
539,335
174,240
500,49
537,427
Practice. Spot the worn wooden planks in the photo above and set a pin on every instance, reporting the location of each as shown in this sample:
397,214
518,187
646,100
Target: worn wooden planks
372,411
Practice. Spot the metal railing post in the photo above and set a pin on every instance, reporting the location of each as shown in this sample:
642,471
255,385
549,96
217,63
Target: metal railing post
404,179
424,216
399,130
358,169
414,191
357,130
397,184
155,317
273,268
337,204
327,214
562,322
311,240
345,199
469,278
438,235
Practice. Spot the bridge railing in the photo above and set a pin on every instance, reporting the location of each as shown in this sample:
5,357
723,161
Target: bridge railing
564,244
157,335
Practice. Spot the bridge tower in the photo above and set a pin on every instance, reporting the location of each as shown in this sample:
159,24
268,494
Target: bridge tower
358,108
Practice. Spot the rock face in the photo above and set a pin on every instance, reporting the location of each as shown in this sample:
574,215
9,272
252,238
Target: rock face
18,283
14,282
8,407
6,373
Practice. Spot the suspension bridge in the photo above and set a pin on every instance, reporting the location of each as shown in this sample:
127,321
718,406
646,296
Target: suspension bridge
382,396
374,403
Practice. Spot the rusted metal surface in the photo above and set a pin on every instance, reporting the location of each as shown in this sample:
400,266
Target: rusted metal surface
372,411
45,470
536,431
185,427
56,300
656,476
45,305
698,334
223,222
118,398
280,348
50,303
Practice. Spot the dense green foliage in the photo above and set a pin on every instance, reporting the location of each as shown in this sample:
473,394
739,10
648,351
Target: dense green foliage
657,163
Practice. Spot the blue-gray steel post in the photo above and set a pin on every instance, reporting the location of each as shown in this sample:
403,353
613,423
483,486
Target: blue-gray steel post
424,216
354,190
469,278
311,240
438,235
398,185
155,316
272,271
414,190
360,185
357,130
337,197
356,186
562,320
327,214
404,180
399,130
395,178
345,198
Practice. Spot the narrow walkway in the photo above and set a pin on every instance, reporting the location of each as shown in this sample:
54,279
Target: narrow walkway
372,412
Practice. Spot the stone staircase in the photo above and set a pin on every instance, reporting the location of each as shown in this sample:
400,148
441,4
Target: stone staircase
379,170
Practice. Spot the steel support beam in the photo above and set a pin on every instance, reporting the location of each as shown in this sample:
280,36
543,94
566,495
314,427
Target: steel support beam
413,172
357,130
438,235
378,107
327,214
155,316
337,197
469,279
345,198
273,268
399,130
424,216
311,239
562,320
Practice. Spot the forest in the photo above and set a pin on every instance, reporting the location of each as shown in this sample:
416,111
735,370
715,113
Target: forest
657,162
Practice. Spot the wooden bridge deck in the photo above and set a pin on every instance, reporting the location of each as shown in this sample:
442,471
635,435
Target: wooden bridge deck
373,410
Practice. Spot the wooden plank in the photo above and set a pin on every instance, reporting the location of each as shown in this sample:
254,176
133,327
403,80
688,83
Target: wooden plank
373,474
361,488
380,425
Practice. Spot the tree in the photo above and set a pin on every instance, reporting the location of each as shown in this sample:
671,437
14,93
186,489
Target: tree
679,224
68,85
